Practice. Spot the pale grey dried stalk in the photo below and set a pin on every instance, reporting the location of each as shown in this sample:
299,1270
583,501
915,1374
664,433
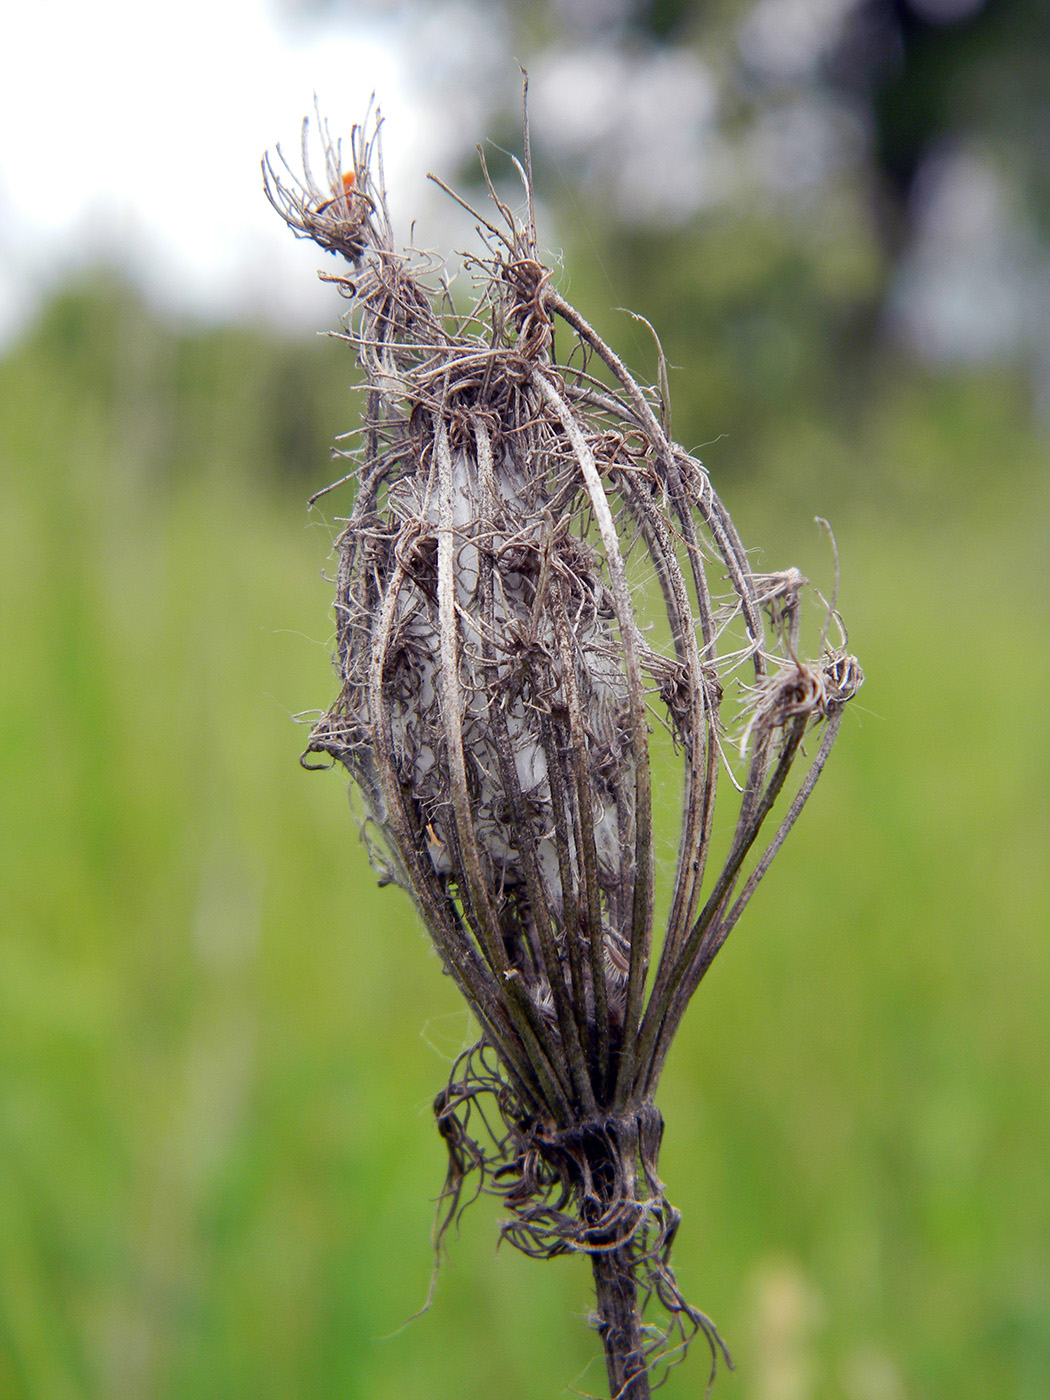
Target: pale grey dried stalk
500,672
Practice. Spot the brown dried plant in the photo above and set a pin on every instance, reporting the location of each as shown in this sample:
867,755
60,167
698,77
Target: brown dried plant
501,665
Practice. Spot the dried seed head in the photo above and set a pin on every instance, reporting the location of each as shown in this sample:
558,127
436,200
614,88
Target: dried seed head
500,667
497,686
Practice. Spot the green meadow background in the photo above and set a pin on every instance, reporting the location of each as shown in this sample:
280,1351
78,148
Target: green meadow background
219,1039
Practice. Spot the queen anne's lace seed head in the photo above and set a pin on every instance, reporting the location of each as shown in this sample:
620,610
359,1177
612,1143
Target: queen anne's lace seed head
500,674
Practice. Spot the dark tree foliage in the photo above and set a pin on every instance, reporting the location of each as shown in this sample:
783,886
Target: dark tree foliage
928,83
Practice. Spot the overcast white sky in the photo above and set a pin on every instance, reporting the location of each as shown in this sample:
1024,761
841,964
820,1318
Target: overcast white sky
134,131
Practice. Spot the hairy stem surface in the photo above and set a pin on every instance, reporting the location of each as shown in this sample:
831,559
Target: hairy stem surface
620,1324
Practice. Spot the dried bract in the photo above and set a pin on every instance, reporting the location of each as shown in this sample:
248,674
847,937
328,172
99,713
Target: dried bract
501,665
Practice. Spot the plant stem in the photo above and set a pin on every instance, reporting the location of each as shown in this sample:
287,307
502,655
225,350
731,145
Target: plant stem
620,1325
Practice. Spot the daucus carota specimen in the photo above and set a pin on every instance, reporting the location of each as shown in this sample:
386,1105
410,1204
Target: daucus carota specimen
501,668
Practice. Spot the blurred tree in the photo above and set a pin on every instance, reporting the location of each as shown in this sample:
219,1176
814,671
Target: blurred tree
125,365
936,72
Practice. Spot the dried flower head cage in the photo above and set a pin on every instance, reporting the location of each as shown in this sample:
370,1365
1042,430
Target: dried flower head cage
500,674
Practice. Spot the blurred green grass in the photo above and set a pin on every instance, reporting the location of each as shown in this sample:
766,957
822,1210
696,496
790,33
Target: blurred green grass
219,1039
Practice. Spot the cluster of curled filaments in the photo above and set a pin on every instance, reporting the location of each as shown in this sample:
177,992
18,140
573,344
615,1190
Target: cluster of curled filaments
501,668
